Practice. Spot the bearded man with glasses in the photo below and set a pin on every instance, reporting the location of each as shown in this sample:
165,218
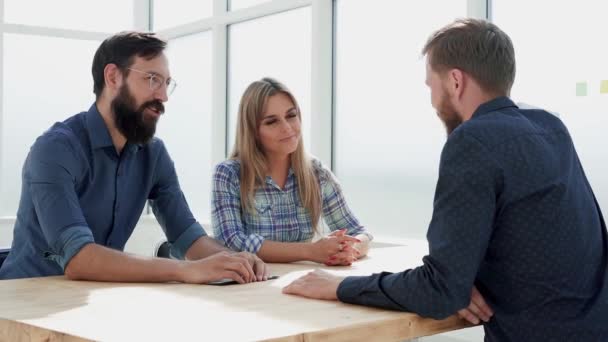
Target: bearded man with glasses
86,181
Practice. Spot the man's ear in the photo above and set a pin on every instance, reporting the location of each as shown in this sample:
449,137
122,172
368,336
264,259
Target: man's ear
113,77
456,82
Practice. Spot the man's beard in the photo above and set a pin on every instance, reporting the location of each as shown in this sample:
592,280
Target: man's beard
448,115
131,122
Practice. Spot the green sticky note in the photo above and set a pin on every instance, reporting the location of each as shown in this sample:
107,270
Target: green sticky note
581,89
604,87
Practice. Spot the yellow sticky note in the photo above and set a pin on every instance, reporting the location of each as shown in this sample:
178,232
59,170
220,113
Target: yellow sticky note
604,87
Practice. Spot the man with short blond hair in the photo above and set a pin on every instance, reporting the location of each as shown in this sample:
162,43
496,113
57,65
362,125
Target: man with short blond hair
514,215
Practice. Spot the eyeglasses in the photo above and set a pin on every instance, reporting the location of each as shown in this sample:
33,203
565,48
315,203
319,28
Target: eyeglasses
157,81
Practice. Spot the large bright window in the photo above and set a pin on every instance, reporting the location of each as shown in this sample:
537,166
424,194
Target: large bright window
561,66
238,4
277,46
168,13
101,16
186,126
40,87
388,138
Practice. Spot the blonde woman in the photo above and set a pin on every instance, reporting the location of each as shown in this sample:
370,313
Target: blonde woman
270,196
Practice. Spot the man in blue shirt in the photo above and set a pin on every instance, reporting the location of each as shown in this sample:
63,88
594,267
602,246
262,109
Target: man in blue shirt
86,181
514,215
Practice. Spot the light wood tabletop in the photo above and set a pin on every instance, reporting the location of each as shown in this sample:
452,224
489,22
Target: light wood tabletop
56,309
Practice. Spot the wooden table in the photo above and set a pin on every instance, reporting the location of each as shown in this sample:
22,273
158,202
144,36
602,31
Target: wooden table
56,309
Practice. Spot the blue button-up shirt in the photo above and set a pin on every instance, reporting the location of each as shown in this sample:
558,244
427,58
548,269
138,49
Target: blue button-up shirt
76,190
514,215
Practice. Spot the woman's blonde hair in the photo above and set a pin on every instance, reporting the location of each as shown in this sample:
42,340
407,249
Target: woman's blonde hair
248,150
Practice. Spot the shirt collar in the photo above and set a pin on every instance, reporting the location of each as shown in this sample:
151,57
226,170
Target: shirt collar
98,131
494,105
290,174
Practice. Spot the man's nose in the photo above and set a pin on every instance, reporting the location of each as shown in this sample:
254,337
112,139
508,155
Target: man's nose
161,93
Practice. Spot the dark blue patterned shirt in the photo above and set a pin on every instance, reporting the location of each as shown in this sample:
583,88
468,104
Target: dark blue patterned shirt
77,190
514,215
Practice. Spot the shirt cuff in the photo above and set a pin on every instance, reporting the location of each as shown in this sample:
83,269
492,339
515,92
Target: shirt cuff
367,291
359,230
369,236
362,290
180,246
70,242
350,288
253,243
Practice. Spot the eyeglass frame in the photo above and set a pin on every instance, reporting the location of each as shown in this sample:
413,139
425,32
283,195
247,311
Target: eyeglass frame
170,86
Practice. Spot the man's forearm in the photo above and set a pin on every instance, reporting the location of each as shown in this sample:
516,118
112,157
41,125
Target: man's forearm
204,247
99,263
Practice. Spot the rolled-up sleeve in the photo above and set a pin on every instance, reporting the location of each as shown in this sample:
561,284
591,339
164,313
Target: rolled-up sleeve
171,209
50,174
226,212
336,212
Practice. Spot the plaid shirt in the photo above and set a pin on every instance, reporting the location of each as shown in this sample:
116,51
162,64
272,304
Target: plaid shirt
277,214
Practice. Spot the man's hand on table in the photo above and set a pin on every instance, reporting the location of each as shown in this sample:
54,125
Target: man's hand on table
322,285
242,267
317,285
259,267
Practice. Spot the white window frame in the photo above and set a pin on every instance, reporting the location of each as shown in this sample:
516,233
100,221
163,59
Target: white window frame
321,65
141,22
322,114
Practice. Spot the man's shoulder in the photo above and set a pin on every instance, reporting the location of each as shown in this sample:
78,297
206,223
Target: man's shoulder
155,149
61,145
62,134
541,118
495,128
516,117
155,144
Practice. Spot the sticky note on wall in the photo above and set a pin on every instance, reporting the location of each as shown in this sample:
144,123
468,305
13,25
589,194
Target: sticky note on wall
604,87
581,89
